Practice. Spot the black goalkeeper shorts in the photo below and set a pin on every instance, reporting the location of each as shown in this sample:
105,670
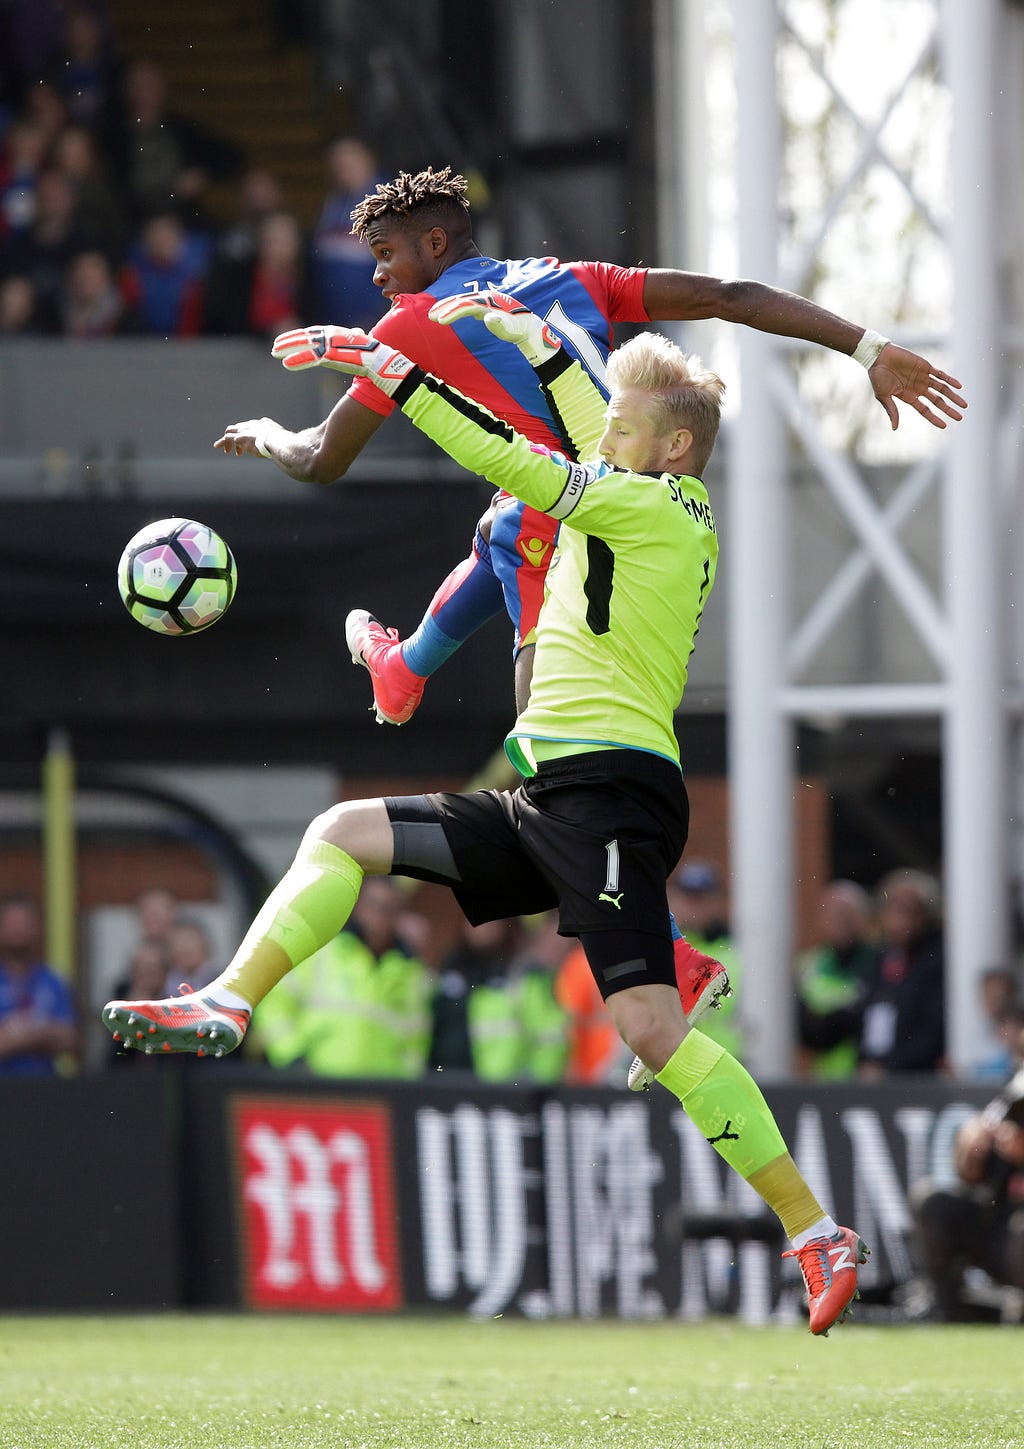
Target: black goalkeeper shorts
594,835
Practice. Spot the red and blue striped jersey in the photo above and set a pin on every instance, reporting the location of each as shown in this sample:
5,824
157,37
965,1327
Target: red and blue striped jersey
580,300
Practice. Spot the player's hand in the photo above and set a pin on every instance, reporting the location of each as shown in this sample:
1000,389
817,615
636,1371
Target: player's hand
239,439
971,1149
1008,1142
506,317
902,376
345,349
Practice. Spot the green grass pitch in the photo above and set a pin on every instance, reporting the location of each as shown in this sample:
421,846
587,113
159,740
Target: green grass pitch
414,1383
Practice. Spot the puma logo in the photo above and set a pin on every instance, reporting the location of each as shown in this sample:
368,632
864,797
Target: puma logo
725,1135
612,900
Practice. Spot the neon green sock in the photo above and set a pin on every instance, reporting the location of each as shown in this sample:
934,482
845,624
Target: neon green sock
723,1100
305,910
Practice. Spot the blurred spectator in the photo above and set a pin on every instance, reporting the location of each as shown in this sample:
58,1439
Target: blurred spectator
544,1052
45,249
903,1026
697,901
596,1052
91,303
360,1006
99,215
259,195
45,105
830,980
21,161
21,314
168,162
156,910
164,280
84,65
37,1013
476,1026
1002,1013
413,927
1009,1024
495,1012
190,956
267,294
146,977
979,1221
342,265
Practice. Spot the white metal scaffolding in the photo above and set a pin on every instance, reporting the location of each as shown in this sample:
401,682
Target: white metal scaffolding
962,628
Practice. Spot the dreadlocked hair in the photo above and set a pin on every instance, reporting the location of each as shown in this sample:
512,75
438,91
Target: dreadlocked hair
428,194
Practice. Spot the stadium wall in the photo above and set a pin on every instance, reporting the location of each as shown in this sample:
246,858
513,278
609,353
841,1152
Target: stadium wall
339,1197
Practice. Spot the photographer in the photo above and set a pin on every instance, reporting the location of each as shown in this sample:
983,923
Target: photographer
979,1221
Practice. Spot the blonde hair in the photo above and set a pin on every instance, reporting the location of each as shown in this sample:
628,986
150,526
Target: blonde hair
683,393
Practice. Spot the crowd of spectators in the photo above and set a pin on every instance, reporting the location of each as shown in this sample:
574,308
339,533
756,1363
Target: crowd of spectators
105,224
368,1004
871,991
514,1001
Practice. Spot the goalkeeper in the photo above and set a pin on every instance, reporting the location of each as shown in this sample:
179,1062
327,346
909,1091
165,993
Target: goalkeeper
602,815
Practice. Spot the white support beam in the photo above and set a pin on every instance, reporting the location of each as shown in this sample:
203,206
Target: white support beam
862,701
976,734
760,734
845,484
978,686
854,572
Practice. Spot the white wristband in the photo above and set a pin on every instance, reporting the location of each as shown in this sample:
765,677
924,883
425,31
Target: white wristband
869,347
260,443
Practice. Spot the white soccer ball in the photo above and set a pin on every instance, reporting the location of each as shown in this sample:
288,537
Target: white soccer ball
176,576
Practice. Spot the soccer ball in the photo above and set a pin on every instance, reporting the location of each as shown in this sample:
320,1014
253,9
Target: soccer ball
176,576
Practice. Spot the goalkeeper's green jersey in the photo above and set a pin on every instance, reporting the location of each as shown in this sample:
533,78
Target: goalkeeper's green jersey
636,560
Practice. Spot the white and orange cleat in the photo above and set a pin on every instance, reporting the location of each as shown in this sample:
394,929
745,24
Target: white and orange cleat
190,1022
829,1266
703,985
397,691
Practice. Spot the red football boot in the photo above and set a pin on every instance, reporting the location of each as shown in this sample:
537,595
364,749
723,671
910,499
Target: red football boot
396,690
190,1022
703,985
829,1266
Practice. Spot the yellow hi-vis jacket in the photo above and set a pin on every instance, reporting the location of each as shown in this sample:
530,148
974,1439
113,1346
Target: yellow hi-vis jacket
346,1013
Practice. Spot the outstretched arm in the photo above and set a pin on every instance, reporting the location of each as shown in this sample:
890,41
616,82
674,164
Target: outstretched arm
315,455
470,434
897,375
